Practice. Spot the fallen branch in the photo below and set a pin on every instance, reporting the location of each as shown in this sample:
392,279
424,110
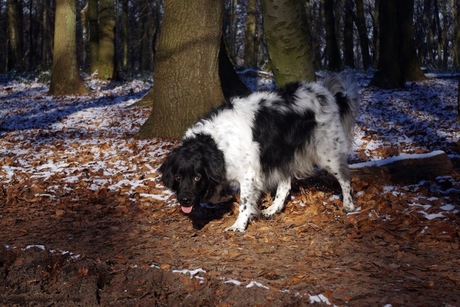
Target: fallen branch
408,168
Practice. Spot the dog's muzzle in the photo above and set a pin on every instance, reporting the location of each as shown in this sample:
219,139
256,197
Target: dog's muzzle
186,203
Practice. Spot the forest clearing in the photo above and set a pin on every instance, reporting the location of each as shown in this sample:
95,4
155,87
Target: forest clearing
85,220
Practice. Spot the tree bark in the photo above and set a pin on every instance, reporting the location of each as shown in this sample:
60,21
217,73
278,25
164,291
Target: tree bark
376,30
348,45
457,36
125,33
410,60
186,81
93,34
65,76
250,58
458,100
334,62
289,41
47,46
398,61
15,46
362,32
106,47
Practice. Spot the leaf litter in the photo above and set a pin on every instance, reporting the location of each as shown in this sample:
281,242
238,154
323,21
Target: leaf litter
84,216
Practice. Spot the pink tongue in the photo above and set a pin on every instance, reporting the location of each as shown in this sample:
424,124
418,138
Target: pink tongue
186,210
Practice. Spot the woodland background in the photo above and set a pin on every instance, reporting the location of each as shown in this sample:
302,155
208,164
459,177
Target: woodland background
27,33
191,44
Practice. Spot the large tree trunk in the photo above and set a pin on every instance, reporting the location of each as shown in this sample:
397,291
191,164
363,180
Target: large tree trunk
186,81
289,41
65,76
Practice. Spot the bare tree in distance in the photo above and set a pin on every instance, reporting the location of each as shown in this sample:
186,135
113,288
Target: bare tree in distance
65,75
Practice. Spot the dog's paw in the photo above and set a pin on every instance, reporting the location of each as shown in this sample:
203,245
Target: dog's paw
347,208
236,228
268,212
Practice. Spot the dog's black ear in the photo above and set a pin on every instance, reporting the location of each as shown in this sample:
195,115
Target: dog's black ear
166,169
214,166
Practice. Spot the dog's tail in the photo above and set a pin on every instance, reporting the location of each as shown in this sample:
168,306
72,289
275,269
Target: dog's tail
345,91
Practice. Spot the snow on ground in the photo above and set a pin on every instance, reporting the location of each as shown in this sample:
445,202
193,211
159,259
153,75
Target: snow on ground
90,141
418,119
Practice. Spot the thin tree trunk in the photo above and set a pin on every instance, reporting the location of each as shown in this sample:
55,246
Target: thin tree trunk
106,51
410,60
93,35
376,36
457,36
84,16
362,32
445,41
458,101
332,48
15,46
348,45
125,33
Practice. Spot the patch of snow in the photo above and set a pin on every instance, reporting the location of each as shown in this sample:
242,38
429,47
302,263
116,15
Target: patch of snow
192,273
253,283
231,281
320,298
52,251
39,246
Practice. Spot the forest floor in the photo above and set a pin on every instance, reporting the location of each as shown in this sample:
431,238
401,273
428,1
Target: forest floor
84,219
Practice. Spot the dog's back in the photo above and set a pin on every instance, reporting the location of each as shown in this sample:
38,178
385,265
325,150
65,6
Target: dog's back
345,91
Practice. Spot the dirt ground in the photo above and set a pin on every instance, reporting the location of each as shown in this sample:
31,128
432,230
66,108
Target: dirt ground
100,248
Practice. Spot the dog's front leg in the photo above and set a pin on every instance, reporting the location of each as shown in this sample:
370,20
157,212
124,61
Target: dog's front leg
282,191
249,195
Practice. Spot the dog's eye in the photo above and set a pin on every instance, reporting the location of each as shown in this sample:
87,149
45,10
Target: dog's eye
197,177
177,178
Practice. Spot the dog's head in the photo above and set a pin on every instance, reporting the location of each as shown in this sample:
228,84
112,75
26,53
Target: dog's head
194,170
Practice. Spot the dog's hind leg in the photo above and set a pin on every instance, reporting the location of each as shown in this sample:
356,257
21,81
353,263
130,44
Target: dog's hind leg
282,191
339,169
249,194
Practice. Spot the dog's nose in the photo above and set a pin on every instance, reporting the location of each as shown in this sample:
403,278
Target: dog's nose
185,200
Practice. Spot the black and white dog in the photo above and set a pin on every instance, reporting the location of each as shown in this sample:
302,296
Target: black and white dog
262,141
